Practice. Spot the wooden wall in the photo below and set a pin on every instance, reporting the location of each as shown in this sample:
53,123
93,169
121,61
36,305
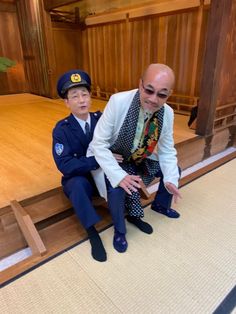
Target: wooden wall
116,53
67,47
12,81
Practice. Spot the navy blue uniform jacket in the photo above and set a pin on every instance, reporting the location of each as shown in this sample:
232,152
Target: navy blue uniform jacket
70,146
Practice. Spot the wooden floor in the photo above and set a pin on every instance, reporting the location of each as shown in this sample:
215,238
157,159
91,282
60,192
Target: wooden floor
26,164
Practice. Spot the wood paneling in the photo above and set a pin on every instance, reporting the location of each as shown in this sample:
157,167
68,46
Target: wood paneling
13,81
115,54
67,47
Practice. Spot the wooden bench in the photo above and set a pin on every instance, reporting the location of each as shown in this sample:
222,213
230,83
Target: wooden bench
47,225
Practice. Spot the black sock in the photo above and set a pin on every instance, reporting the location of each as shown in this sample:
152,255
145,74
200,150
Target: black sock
142,225
98,250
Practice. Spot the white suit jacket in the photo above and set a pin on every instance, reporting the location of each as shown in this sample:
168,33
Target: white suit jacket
106,133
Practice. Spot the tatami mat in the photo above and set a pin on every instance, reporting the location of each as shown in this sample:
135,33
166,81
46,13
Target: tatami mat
186,266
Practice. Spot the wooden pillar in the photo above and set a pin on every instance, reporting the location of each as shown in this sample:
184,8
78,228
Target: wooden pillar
218,25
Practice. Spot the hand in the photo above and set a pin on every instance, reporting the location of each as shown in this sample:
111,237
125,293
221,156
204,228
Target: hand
130,183
173,190
119,158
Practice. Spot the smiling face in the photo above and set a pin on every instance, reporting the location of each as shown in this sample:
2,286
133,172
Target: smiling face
79,101
155,87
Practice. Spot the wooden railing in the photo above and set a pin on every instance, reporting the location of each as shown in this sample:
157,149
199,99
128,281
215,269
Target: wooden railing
180,103
225,116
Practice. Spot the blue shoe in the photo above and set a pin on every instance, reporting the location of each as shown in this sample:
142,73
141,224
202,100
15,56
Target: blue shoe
119,242
170,212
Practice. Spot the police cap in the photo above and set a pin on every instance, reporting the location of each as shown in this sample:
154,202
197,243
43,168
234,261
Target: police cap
71,79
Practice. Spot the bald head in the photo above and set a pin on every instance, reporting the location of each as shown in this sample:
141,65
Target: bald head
156,86
160,72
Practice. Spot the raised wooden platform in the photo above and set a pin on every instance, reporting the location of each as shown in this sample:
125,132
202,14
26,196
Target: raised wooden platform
26,163
34,211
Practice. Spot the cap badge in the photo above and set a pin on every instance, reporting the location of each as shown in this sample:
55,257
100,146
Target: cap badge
75,78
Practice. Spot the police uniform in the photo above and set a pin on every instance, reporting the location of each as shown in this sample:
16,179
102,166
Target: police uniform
70,145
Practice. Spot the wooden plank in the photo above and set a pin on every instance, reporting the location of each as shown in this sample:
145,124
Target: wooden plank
105,18
28,229
164,7
57,237
198,173
48,207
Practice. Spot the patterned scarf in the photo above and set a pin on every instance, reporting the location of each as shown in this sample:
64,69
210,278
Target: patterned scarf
124,142
148,141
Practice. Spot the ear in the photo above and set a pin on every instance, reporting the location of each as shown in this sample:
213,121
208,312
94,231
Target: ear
66,102
140,84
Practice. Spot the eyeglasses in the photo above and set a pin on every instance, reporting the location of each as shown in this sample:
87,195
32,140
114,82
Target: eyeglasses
150,92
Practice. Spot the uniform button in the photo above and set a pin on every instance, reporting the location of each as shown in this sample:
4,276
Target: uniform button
75,155
66,120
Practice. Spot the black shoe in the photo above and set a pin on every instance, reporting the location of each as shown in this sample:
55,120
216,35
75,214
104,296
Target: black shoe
119,242
171,213
142,225
98,250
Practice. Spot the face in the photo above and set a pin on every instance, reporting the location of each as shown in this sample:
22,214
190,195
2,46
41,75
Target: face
154,90
79,101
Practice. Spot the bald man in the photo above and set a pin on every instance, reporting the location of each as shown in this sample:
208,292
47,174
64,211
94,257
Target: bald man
133,141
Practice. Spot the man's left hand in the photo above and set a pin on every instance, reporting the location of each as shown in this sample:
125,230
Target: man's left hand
173,190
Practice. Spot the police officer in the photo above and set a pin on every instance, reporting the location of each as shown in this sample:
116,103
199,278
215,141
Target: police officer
71,137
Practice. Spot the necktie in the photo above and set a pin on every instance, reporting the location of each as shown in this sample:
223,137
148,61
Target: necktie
87,131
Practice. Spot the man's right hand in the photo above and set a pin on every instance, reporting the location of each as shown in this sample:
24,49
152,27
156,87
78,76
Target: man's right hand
130,183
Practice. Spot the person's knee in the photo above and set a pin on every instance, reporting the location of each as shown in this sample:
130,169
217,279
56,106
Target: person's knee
117,192
77,184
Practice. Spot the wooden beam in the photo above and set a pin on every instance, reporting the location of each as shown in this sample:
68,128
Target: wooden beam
53,4
218,24
105,18
28,229
163,7
144,10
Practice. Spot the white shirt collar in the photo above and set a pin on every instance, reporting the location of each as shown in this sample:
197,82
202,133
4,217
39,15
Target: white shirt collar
82,122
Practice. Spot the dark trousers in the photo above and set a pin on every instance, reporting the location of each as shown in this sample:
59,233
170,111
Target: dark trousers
80,191
163,197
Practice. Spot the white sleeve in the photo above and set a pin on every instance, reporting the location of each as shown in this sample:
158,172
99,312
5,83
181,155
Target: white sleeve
104,135
166,150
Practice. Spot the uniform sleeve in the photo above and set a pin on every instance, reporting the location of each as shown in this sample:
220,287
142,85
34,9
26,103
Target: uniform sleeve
67,162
